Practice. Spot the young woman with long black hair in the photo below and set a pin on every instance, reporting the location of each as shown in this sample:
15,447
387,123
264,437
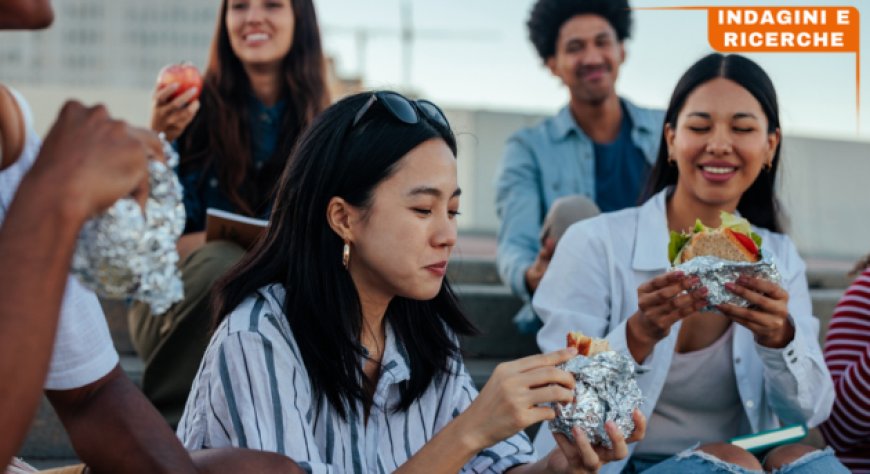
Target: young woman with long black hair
712,376
264,83
337,341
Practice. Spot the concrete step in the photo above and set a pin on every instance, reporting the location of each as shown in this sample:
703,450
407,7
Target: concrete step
47,441
492,308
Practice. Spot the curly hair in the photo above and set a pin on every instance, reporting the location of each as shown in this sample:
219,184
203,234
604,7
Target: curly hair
548,16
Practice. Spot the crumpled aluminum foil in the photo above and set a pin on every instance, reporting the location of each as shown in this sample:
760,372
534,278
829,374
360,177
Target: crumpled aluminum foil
714,272
606,389
123,253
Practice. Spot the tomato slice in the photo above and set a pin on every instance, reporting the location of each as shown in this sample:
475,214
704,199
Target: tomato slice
746,241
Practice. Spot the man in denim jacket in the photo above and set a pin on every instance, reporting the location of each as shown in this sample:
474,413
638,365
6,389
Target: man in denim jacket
594,154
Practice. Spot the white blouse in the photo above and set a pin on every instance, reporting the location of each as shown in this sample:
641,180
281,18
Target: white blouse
591,286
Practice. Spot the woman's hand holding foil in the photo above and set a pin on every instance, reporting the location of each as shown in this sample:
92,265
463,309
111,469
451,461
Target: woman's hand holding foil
517,396
767,317
662,301
580,457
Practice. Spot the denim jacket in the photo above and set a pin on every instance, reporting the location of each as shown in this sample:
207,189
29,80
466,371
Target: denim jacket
541,164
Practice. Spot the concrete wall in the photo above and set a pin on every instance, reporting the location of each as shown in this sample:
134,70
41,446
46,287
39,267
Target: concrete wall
824,185
823,188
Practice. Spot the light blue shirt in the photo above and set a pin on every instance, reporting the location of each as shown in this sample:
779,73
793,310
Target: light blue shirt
591,286
541,164
253,391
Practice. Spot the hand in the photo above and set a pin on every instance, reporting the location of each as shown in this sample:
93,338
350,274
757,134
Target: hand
172,116
663,301
767,317
509,402
536,271
91,160
581,457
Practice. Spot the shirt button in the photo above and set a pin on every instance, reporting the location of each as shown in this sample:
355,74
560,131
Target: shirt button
213,182
750,404
794,361
790,352
737,360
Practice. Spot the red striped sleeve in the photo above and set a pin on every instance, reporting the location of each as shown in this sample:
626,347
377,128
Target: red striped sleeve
847,353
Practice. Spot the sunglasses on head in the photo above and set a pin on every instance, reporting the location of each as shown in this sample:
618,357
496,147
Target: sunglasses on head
403,109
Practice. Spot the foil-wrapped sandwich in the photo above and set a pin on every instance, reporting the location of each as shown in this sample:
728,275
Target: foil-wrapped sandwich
126,252
720,255
605,389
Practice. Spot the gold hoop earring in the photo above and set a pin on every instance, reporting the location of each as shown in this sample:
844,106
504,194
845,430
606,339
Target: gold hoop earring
345,254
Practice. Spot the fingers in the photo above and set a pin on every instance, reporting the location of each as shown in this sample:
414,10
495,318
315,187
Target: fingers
162,94
771,330
639,426
760,292
539,360
184,99
579,454
619,449
547,249
661,281
548,375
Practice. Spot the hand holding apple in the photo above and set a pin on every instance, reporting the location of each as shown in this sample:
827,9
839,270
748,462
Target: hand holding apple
175,99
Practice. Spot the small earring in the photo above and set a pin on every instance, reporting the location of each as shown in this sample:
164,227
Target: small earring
671,160
345,254
768,166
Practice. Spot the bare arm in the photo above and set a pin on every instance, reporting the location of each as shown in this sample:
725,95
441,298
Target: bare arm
86,163
36,243
114,428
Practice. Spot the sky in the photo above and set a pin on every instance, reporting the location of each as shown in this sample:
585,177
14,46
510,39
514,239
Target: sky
475,53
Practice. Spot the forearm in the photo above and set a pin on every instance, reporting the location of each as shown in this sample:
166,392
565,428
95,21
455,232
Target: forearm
114,428
539,467
447,452
639,345
36,245
243,461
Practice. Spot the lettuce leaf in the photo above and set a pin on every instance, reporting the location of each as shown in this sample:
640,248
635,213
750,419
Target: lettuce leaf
678,240
755,238
737,224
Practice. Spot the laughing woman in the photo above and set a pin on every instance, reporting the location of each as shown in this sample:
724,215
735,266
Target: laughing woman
711,376
337,335
264,83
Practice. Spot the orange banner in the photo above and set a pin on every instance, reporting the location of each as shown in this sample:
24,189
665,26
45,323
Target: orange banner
776,29
783,29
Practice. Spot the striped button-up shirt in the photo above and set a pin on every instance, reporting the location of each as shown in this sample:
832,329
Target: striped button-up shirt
253,391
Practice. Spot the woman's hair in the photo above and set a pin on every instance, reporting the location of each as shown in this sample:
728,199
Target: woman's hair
219,136
759,203
548,16
303,253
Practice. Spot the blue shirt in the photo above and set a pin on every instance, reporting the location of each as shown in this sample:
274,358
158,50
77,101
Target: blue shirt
202,192
621,170
541,164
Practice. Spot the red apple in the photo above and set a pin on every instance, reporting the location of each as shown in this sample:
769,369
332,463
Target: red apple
185,74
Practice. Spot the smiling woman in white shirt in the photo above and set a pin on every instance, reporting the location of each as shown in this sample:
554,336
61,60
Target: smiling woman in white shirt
337,335
711,376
